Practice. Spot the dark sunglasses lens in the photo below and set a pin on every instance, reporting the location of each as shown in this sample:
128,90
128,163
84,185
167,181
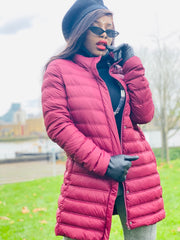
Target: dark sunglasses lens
96,30
112,33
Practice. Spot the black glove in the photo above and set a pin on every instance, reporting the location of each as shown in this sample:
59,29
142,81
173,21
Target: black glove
118,166
123,51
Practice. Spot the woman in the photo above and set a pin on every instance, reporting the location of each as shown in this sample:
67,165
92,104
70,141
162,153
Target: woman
93,98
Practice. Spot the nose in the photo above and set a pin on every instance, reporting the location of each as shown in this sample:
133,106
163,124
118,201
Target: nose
104,35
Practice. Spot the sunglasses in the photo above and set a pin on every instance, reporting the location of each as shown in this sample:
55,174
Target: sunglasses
98,31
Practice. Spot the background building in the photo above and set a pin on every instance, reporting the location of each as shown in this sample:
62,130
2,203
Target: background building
15,123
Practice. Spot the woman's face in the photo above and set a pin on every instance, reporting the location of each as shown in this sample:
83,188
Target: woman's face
96,44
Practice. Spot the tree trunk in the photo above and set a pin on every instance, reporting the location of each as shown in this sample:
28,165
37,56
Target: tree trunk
164,147
164,132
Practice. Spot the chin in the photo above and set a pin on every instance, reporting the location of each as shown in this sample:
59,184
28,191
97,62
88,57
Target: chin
100,53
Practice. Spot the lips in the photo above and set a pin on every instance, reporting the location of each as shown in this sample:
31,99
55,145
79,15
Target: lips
101,45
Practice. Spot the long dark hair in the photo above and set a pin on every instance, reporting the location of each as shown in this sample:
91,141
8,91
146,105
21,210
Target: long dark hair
79,33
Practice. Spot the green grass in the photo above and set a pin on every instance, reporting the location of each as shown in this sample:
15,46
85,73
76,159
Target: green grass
27,210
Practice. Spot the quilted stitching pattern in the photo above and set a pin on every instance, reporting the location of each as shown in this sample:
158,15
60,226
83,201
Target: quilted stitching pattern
79,118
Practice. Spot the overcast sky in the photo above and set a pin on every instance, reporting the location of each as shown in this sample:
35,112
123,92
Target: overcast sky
30,33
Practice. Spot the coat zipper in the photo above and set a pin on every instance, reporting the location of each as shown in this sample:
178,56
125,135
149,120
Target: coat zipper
124,190
127,223
97,74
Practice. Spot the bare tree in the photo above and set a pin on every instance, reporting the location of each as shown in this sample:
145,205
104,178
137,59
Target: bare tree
163,70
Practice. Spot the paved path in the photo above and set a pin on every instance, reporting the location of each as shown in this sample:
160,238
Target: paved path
26,171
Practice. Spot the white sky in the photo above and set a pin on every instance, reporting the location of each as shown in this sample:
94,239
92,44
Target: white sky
30,33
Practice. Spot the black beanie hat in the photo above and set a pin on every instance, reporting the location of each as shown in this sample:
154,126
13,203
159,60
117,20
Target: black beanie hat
77,12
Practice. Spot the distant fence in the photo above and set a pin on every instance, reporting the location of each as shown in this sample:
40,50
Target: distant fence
27,157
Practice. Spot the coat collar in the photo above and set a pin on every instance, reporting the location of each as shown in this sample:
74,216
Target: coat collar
89,63
86,62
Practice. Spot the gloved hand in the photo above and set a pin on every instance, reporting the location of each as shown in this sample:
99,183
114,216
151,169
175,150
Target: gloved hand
118,166
123,51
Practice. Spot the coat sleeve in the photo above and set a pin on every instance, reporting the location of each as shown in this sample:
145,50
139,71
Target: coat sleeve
142,107
60,127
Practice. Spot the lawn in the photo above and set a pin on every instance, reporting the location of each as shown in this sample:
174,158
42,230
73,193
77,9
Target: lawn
27,210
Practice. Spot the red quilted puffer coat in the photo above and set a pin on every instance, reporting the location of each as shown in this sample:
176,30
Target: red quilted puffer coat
79,117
